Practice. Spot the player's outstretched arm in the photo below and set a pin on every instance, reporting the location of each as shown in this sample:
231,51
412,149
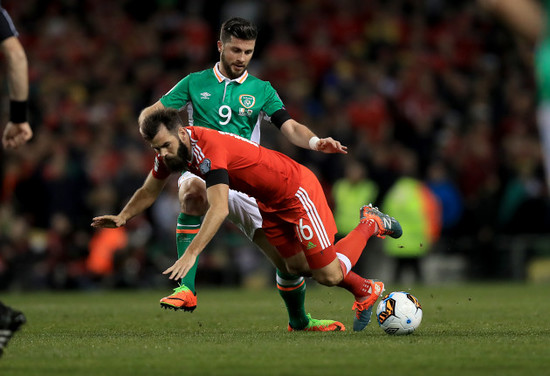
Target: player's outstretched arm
329,145
218,210
302,136
148,110
525,16
17,131
108,221
142,199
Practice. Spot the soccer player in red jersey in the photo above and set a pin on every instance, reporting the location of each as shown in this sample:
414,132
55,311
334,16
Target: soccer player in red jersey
230,99
296,217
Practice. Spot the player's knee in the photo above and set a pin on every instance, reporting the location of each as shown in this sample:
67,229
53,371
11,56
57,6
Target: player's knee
291,270
297,267
328,279
192,197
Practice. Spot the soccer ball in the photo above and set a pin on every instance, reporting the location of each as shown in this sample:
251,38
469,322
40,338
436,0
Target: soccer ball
399,313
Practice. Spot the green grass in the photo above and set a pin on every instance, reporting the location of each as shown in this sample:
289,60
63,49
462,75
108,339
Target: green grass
490,329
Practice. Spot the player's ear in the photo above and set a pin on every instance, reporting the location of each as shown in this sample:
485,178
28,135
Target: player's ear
181,133
220,45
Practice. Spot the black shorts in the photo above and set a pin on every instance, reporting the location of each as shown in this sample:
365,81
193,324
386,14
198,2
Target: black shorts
7,28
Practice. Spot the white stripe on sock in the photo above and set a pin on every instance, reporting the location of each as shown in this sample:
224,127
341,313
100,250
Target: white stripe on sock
288,282
345,260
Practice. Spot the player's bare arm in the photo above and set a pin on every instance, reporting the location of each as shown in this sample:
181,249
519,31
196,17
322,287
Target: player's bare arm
217,212
142,199
17,131
302,136
148,110
525,16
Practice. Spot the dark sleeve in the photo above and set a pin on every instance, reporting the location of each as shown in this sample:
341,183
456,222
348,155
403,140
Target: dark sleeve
7,28
216,177
279,117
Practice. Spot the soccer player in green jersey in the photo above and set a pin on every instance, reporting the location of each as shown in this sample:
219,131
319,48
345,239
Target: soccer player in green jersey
227,98
531,19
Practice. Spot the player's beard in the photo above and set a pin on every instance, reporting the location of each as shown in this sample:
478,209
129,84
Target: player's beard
179,162
228,68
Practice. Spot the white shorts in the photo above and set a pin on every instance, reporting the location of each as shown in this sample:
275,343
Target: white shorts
243,209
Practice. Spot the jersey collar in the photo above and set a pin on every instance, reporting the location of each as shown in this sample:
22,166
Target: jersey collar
222,78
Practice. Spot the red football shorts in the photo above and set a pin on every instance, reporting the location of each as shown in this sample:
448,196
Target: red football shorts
303,223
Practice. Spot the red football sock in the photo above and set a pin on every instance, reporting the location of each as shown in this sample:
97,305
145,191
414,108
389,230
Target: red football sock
357,285
353,244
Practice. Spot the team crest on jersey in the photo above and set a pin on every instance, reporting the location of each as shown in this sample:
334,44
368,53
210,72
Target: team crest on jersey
205,165
247,101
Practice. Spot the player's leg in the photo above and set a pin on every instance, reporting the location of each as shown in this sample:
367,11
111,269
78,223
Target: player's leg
292,289
328,269
193,205
349,249
10,321
331,264
244,213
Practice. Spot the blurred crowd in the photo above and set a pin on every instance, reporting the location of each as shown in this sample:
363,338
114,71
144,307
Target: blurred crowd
435,91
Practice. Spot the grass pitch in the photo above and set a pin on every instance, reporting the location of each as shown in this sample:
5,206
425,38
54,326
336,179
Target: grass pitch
488,329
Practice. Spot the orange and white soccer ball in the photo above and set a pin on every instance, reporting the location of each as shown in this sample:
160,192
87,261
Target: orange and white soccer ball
399,313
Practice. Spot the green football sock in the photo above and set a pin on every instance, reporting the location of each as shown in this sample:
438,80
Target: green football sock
293,291
187,229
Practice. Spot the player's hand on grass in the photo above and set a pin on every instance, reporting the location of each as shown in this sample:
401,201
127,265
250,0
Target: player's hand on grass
108,221
182,266
329,145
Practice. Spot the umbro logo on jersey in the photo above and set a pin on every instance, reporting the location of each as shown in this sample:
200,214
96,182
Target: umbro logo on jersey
205,95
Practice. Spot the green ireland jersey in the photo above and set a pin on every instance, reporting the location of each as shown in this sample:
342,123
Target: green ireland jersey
214,101
542,58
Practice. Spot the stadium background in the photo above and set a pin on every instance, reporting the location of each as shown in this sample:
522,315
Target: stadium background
426,88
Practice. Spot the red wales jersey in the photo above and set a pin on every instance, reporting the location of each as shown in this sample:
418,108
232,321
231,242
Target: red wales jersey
264,174
295,213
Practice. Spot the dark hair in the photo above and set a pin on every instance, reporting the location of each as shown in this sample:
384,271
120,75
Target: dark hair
169,117
238,28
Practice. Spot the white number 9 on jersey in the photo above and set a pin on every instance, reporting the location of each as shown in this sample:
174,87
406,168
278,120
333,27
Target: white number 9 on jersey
225,114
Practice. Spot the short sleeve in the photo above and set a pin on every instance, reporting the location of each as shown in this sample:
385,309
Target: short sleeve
178,96
272,101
